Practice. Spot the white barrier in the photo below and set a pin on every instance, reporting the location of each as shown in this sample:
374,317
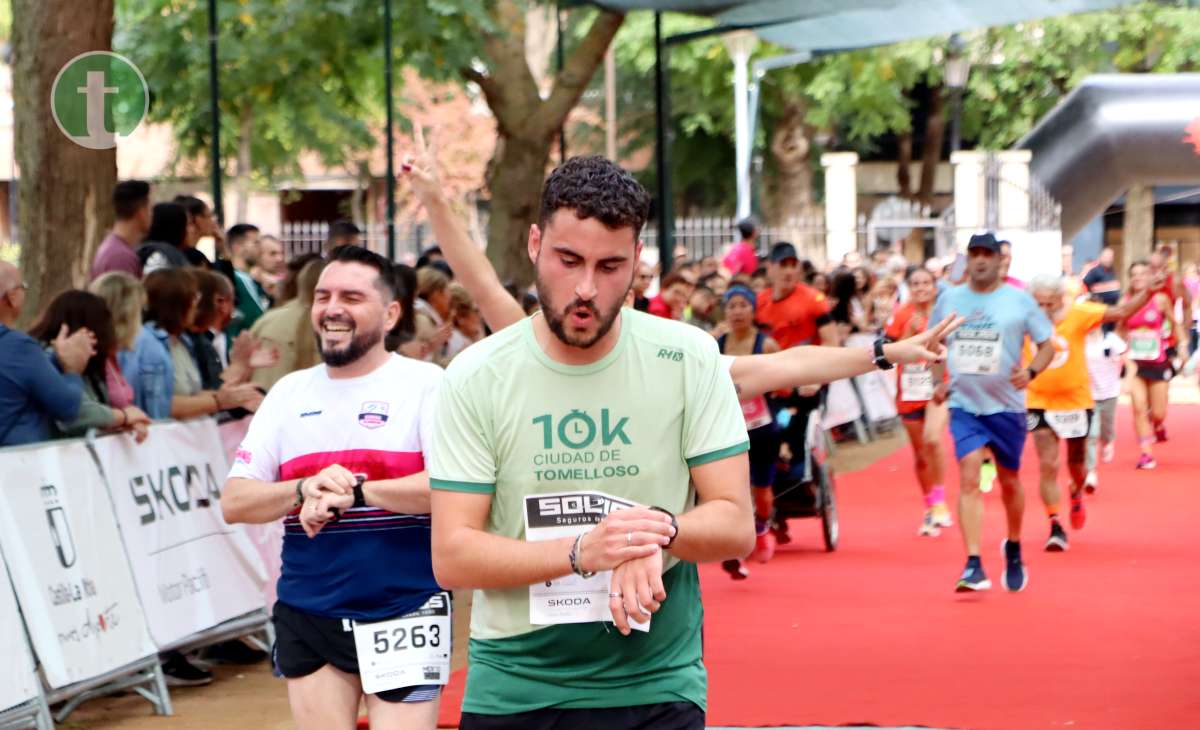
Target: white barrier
193,570
267,539
70,572
18,682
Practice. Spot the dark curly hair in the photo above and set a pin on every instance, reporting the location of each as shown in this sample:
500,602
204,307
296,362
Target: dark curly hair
595,187
77,308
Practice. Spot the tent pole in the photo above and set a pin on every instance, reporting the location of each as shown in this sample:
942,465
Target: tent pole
662,137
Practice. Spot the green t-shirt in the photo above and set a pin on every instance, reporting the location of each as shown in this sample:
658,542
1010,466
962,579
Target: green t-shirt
512,422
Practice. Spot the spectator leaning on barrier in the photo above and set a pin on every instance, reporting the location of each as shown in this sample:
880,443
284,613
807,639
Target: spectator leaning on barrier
163,247
124,297
35,389
77,310
171,299
117,252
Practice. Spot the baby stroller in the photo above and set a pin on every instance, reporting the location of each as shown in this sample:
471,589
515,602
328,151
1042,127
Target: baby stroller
804,487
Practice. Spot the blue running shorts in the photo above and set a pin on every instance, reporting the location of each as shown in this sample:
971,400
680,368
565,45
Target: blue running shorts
1004,432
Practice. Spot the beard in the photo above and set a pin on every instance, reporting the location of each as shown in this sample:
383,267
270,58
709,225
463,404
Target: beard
556,318
360,344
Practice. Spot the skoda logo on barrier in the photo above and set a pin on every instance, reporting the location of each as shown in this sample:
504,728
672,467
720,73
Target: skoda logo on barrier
60,529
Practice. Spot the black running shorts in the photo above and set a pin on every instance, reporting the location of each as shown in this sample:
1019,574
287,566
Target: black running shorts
304,643
1035,418
664,716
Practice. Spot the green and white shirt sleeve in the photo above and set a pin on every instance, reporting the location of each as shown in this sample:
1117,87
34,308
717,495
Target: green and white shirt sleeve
463,458
713,425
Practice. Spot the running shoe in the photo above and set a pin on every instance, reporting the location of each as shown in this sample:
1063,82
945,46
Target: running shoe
1108,452
1160,432
941,515
1078,512
736,569
764,547
1057,543
973,578
987,476
929,527
1090,482
1146,461
1015,576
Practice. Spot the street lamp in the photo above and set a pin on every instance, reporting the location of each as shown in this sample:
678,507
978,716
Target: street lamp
956,70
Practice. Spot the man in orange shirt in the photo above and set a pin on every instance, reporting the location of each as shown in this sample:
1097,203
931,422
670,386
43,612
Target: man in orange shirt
793,312
1059,400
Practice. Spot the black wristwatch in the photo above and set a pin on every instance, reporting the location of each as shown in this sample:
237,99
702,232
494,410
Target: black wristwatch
1032,373
360,499
881,360
674,523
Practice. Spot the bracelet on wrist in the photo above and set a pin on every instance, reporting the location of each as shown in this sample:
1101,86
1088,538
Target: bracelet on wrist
217,399
574,556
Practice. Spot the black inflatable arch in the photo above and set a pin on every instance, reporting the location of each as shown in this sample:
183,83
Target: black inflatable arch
1114,131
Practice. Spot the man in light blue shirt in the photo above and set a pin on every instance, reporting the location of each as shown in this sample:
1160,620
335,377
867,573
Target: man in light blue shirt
987,396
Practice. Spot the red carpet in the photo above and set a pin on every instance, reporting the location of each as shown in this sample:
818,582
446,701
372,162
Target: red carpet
1106,635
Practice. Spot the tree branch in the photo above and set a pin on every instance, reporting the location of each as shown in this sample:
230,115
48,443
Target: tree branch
578,69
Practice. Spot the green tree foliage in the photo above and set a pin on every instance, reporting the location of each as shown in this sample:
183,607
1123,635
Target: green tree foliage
296,75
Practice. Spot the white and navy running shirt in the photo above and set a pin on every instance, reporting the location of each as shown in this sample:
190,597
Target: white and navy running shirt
371,564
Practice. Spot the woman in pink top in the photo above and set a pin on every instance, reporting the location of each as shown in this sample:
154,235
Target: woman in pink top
125,298
1147,332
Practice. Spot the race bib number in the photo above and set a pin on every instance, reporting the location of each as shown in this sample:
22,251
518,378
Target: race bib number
916,383
756,412
408,651
570,599
1144,344
1068,424
977,351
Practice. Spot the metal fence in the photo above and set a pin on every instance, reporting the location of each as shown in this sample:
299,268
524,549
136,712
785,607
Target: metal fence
699,237
300,237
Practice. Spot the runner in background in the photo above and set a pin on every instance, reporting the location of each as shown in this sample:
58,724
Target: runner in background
987,402
925,422
744,338
1147,332
1105,356
1059,401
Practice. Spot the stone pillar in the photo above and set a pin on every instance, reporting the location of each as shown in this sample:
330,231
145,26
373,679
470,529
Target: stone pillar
970,195
841,204
1013,191
1138,234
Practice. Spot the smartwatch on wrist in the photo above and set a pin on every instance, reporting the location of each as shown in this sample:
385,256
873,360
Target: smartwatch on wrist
299,492
360,499
1032,373
881,361
674,523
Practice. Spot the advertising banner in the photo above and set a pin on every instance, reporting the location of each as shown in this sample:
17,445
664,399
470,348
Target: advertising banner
193,570
69,570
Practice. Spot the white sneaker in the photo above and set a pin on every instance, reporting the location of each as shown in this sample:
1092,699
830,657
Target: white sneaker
1108,452
928,528
1090,482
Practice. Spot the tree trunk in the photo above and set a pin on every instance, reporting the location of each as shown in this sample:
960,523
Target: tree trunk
527,125
515,179
931,152
244,163
64,195
791,145
903,164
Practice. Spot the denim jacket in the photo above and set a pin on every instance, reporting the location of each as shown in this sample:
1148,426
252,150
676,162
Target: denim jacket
150,372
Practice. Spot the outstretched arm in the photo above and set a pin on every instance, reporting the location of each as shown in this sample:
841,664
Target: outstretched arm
757,374
471,267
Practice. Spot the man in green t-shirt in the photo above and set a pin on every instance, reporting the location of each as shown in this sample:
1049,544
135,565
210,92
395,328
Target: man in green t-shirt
584,461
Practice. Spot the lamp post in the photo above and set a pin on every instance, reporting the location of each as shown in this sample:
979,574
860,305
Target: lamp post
957,69
740,45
